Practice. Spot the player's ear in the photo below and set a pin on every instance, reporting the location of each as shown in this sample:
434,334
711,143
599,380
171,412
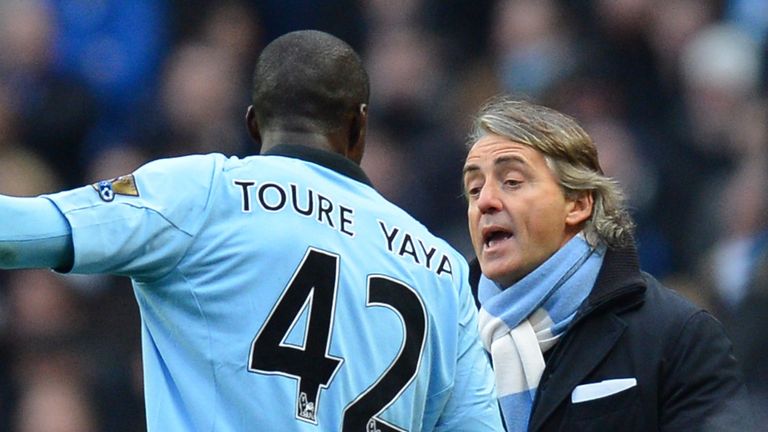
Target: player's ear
252,124
357,131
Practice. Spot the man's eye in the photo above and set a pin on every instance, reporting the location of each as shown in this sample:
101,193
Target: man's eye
473,191
512,182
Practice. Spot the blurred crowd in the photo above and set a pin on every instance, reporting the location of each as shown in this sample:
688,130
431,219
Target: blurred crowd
674,93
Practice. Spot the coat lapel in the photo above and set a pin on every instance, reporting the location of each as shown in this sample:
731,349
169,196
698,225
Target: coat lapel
594,339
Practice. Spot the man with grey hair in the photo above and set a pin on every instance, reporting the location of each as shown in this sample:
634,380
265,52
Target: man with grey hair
580,337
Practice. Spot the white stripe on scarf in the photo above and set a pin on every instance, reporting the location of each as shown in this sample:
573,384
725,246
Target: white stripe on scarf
520,323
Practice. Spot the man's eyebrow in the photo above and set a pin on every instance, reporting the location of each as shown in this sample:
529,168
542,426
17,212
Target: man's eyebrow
501,160
510,160
469,168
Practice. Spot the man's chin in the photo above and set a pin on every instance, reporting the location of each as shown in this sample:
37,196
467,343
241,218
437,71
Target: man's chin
498,272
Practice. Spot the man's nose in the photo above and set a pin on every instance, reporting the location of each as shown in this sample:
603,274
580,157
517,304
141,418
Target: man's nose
489,201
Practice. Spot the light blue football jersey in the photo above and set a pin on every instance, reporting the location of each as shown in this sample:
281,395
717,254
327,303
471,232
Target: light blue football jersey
281,292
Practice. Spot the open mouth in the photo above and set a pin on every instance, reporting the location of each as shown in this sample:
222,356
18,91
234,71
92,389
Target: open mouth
495,236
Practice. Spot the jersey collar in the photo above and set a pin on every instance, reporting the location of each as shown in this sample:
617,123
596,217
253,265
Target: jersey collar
324,158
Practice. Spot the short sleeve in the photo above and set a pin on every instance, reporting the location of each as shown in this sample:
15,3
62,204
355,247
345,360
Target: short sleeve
141,224
472,405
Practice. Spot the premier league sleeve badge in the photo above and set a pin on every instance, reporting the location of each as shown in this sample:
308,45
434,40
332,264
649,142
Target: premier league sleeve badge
123,185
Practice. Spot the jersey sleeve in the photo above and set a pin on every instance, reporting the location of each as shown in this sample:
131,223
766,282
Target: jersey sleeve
472,406
33,234
139,225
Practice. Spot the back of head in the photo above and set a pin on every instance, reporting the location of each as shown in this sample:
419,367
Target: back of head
306,81
569,152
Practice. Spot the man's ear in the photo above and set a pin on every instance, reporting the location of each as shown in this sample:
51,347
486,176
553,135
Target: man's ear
357,130
579,208
252,124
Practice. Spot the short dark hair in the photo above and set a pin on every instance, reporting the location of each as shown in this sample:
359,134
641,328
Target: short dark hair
306,81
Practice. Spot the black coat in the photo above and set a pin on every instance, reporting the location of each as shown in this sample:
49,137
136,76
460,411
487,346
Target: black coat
631,326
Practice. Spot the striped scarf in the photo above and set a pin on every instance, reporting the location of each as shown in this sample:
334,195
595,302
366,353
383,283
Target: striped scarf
520,323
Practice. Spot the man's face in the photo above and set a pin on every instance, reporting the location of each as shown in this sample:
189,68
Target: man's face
518,214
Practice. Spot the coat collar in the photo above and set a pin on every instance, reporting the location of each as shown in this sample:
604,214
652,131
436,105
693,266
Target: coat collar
619,283
332,161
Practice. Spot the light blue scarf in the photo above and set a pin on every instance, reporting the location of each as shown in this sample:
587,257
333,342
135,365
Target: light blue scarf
518,324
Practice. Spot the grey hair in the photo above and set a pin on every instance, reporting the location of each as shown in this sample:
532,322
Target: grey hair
569,153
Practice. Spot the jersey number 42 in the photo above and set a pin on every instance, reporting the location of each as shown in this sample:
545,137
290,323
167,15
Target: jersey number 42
313,288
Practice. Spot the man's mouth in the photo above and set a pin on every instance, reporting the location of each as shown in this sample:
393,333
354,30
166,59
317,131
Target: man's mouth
494,236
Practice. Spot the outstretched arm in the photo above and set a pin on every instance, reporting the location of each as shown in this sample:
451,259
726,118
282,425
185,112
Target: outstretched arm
33,234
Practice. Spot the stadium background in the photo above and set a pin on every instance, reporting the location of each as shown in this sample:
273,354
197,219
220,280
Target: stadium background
672,91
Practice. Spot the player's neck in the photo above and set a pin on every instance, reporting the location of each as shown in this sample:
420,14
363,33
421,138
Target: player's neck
309,139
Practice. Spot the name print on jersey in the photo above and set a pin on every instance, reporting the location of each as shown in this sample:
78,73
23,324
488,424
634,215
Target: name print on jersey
274,197
403,244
